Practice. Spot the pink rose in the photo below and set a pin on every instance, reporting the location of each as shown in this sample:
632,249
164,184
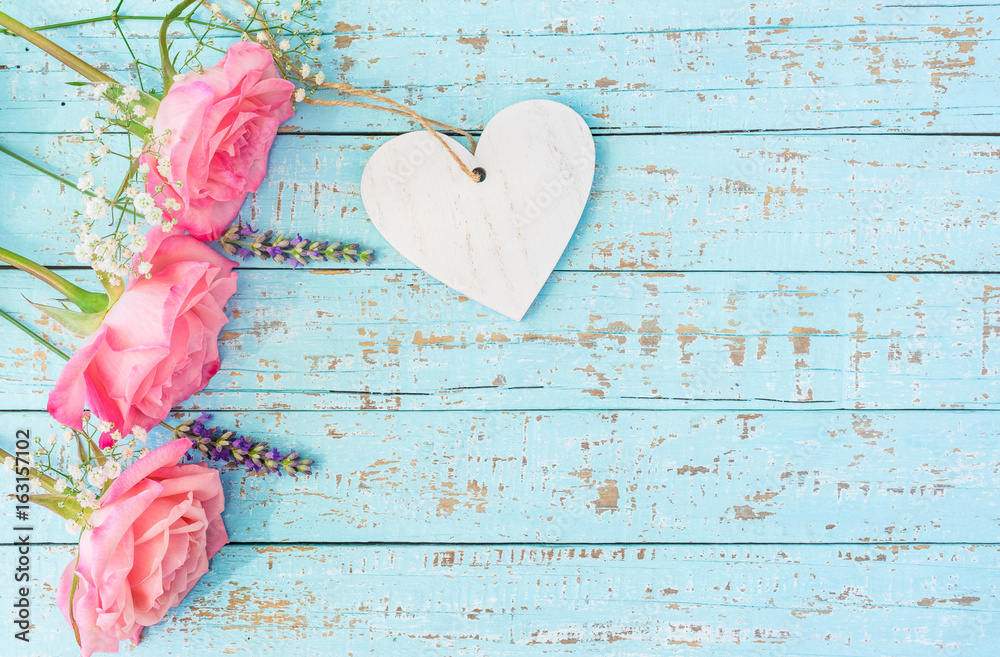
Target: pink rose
217,128
157,345
148,544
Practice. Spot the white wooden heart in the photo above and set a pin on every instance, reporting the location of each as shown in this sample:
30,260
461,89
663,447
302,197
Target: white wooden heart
495,241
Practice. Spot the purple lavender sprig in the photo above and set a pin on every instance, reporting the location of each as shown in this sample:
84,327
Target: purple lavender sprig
243,240
215,444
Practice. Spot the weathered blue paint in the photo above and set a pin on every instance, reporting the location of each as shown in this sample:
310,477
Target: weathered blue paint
399,340
624,476
660,202
501,601
640,66
656,394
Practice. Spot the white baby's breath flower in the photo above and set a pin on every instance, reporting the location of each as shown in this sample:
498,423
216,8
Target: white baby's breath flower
102,150
8,464
144,452
137,151
305,71
154,217
143,202
148,122
139,111
113,110
314,43
88,158
112,469
296,5
105,426
60,485
130,94
143,268
83,254
284,45
96,478
85,182
96,208
140,434
99,90
128,452
320,77
300,94
72,527
101,191
86,125
248,11
261,37
215,8
285,15
52,440
68,436
138,243
75,472
36,485
87,498
132,230
143,169
99,131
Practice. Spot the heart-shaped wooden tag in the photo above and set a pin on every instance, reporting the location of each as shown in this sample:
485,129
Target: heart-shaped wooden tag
495,241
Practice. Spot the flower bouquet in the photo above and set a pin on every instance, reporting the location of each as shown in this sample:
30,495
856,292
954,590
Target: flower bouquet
193,139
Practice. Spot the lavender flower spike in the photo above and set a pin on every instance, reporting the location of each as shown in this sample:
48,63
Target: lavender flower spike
216,444
244,241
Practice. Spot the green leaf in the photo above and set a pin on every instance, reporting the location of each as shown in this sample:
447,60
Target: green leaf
82,324
114,291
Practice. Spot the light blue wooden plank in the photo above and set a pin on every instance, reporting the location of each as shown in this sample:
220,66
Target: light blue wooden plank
709,202
602,477
613,601
641,67
399,340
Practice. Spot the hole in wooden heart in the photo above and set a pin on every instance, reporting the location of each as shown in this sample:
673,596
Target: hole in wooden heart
480,174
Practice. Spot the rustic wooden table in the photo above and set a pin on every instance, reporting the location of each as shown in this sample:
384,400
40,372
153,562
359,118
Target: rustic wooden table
751,413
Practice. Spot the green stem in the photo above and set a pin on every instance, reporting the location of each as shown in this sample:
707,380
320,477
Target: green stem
56,176
113,17
60,53
165,64
35,336
88,302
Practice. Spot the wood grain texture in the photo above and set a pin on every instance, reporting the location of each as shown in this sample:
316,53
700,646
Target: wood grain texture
641,67
615,601
400,340
679,203
657,394
602,477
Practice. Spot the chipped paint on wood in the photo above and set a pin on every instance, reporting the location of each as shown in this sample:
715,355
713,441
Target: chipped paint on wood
651,310
506,600
668,202
603,476
641,66
400,340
